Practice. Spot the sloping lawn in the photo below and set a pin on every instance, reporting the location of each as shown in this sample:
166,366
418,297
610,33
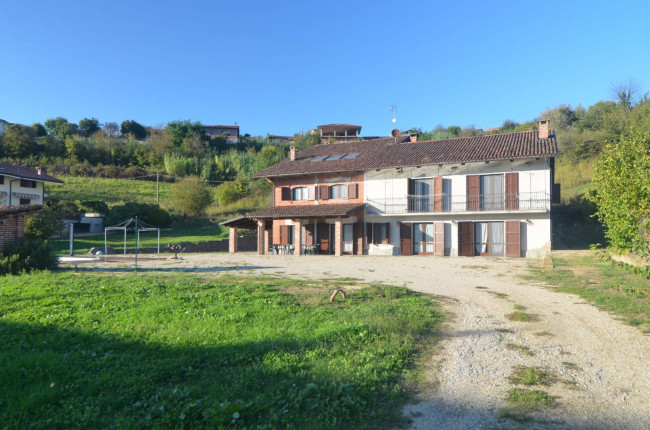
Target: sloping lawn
95,351
612,287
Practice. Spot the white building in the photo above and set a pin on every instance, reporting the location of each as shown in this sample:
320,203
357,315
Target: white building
23,186
487,195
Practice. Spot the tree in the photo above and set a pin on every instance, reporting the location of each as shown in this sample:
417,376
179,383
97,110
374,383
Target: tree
180,130
622,193
60,127
43,224
191,196
39,130
88,126
304,141
133,128
18,141
627,94
111,129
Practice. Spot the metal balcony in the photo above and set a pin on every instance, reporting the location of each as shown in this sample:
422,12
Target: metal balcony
537,201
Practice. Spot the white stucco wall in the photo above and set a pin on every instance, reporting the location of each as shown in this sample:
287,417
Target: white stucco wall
16,188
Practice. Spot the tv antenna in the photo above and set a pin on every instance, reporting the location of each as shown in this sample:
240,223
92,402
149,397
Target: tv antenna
394,109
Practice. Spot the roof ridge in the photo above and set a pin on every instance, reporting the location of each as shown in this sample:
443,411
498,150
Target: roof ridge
478,135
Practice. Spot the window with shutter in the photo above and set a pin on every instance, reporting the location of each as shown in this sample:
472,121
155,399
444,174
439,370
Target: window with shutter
465,238
513,239
323,192
472,192
352,191
437,194
439,238
512,191
286,193
405,239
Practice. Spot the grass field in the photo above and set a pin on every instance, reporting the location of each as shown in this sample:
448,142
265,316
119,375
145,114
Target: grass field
147,239
614,288
112,191
84,351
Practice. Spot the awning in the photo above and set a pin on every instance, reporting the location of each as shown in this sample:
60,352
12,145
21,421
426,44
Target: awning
244,222
26,195
307,211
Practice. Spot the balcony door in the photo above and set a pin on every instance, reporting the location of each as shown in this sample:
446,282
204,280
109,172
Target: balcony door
489,239
491,192
420,192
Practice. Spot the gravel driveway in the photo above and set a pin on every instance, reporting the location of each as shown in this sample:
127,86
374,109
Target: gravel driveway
602,365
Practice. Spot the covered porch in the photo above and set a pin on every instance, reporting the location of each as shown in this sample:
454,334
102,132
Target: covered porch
336,229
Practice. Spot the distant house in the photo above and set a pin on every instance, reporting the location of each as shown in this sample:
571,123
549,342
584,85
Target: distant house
23,186
280,139
339,133
230,131
486,195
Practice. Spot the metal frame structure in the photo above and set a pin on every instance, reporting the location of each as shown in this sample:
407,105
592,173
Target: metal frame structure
134,225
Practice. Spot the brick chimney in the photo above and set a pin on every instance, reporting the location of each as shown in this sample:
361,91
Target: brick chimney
292,153
40,170
413,138
543,129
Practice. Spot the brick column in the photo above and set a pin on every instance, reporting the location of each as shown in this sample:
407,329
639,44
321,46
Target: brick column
261,237
297,240
233,240
338,237
267,242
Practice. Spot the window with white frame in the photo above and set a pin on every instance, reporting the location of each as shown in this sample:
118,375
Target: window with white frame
300,193
339,192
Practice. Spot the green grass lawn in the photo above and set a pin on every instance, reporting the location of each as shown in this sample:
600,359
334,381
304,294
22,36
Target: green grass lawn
147,239
111,191
99,351
612,287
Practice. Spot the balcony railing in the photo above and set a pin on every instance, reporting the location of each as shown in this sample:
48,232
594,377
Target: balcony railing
537,201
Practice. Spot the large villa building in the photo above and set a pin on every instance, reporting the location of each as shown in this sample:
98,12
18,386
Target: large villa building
487,195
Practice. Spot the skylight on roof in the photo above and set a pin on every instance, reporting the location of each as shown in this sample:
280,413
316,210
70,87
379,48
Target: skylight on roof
334,157
319,158
351,155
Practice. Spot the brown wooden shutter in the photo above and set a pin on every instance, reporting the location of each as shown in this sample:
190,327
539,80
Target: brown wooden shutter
368,233
286,193
405,239
309,235
410,191
472,192
512,191
465,239
437,194
324,238
387,241
513,239
439,238
323,192
284,234
352,191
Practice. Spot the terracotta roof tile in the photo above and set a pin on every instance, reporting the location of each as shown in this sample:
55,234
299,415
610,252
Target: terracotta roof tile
385,153
13,210
303,211
26,173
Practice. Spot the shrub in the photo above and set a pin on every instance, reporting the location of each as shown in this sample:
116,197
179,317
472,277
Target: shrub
191,196
26,256
146,212
43,224
230,192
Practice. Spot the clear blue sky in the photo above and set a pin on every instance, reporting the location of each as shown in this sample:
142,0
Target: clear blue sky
280,66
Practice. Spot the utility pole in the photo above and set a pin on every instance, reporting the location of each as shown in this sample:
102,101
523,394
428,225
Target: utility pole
157,191
137,237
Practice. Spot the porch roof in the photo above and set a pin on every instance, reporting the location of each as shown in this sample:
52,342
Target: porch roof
242,222
308,211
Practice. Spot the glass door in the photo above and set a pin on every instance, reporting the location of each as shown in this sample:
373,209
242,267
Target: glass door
348,238
423,238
